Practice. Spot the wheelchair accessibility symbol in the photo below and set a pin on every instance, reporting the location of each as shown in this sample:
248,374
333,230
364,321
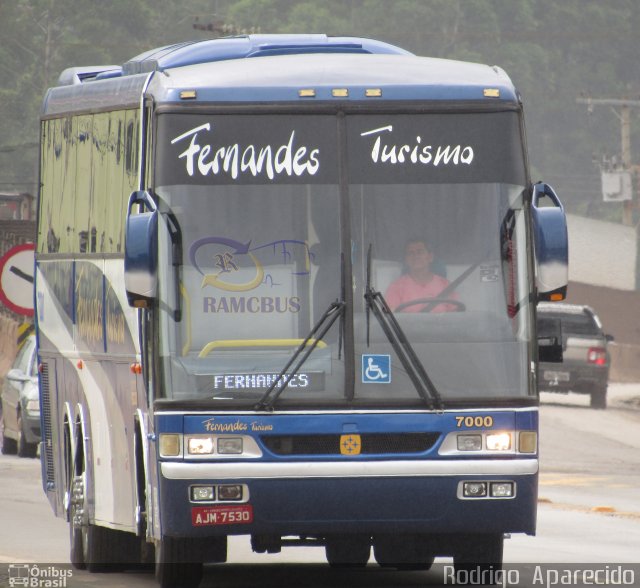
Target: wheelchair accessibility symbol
376,369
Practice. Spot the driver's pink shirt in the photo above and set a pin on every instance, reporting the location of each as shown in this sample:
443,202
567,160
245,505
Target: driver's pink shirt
405,288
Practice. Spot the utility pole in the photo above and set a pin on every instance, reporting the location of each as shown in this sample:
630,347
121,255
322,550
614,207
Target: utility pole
622,109
624,116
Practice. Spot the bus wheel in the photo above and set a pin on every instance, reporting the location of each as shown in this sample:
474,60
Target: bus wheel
76,523
348,550
173,566
95,548
403,552
87,541
481,554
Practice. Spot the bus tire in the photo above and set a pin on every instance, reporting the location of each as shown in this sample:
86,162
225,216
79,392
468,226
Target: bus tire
98,549
95,548
403,552
76,552
88,542
350,551
174,565
76,523
112,551
480,554
146,548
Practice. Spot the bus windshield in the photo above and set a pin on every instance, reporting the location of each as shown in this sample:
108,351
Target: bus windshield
269,219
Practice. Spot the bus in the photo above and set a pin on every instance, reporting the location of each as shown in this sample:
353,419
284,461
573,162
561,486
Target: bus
219,224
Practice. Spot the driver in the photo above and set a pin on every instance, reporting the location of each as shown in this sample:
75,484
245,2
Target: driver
419,282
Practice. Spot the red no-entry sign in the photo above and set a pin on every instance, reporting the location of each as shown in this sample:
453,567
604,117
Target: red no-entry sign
16,278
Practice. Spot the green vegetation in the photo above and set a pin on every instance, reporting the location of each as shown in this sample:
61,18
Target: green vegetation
554,50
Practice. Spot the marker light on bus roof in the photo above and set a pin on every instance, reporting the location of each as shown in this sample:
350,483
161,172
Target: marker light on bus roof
499,441
188,95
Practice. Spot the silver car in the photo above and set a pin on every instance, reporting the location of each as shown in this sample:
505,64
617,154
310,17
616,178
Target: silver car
20,403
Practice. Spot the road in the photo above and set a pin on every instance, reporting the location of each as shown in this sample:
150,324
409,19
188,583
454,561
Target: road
589,511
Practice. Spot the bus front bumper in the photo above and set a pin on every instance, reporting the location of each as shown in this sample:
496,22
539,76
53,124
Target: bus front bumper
318,498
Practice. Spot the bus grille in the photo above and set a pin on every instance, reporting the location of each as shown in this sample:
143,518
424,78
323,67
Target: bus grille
371,443
47,437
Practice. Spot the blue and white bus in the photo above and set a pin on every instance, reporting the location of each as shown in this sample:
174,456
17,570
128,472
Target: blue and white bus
219,223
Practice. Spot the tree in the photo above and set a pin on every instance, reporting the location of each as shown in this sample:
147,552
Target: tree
554,51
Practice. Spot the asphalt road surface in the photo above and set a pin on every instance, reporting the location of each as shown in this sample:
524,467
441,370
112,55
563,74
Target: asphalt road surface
589,513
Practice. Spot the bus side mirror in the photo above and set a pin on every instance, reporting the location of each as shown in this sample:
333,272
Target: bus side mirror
141,251
551,244
549,340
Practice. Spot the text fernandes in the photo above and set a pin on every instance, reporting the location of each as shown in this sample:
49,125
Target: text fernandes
235,160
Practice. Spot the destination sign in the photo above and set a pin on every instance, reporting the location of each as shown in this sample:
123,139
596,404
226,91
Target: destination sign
312,381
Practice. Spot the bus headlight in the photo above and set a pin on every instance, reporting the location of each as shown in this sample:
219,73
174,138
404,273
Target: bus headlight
169,444
469,442
227,445
498,441
201,445
203,493
474,489
230,492
501,490
528,442
486,489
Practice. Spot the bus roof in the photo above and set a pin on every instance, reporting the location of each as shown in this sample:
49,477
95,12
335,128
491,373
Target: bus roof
191,53
334,76
270,68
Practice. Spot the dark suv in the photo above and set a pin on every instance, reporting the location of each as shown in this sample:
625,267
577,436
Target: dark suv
585,357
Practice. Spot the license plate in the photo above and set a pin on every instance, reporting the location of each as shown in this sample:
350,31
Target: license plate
553,376
202,516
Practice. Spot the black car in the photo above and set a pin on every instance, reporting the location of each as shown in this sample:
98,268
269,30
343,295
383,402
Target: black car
20,403
585,356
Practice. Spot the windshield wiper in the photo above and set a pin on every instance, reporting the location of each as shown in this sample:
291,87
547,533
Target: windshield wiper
406,354
311,341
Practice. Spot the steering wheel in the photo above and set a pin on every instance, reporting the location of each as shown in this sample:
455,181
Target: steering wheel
431,304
